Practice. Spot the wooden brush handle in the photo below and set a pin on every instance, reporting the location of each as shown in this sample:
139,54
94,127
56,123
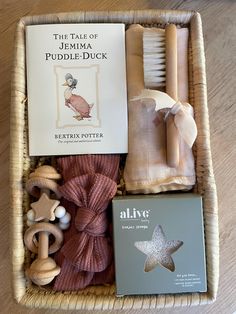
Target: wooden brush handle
172,134
171,61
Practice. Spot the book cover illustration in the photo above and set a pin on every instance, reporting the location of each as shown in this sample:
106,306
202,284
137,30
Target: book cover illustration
76,86
77,101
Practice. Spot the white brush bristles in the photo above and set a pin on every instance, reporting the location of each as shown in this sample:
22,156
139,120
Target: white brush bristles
154,58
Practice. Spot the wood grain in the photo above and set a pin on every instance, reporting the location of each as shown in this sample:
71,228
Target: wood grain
219,27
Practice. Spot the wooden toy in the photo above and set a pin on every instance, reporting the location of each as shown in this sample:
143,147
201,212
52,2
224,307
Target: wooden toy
44,208
43,270
42,183
43,180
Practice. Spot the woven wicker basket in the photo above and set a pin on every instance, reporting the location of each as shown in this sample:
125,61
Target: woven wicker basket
103,297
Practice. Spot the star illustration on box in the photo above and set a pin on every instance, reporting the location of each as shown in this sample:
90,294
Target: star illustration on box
80,107
158,250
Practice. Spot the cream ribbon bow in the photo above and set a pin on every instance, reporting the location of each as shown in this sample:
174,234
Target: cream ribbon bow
183,119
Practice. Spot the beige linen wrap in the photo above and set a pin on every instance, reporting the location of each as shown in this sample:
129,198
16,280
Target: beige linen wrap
146,170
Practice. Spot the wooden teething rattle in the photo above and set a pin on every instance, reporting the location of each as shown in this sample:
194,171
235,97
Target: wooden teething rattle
43,181
43,270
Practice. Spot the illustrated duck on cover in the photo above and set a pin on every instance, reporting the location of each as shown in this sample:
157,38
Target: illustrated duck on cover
75,102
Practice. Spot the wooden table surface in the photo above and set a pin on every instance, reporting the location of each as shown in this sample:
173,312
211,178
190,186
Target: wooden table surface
219,25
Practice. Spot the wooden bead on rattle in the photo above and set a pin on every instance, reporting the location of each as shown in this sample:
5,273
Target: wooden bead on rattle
43,180
43,270
64,217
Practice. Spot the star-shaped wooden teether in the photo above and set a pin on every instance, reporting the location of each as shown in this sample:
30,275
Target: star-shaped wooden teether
44,208
158,250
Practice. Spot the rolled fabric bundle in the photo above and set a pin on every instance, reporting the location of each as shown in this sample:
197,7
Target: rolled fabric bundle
87,250
146,170
182,63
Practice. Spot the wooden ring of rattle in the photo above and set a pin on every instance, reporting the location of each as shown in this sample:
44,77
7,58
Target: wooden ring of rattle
46,227
35,184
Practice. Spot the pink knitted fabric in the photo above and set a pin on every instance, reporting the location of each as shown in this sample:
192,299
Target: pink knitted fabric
87,256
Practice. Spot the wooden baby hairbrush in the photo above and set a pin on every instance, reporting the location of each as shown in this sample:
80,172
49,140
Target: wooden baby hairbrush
160,72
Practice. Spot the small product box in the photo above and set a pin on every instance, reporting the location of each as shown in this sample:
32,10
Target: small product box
159,244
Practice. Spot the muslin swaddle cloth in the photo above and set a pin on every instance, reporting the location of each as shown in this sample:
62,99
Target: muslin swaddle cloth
90,182
146,170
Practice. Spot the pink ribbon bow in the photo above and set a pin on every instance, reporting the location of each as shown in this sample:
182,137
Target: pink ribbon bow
182,112
184,122
87,255
91,193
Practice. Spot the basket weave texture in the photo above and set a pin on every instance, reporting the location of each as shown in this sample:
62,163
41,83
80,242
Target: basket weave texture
103,297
